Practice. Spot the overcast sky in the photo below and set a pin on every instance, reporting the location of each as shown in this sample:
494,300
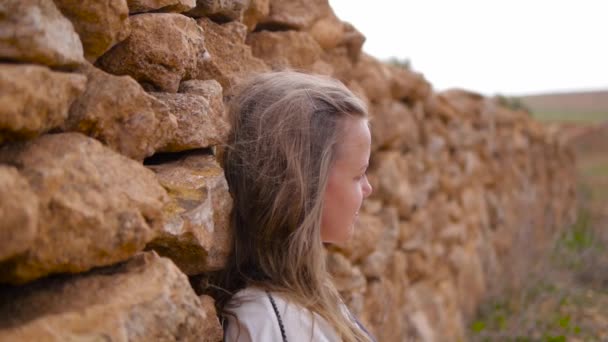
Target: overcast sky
510,47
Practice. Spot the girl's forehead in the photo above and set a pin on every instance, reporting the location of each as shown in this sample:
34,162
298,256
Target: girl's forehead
355,140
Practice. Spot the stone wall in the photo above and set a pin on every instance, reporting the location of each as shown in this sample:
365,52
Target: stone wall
111,195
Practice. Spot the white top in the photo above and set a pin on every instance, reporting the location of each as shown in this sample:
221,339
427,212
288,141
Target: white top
256,320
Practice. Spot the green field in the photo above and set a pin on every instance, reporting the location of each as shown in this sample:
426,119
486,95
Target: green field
575,117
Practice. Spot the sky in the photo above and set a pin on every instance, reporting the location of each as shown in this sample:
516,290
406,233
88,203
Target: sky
513,47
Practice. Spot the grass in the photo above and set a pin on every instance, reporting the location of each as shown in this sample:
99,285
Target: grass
568,299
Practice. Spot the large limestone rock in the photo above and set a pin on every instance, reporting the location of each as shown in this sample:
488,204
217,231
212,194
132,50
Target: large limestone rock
163,49
285,48
117,111
373,77
34,31
96,206
34,99
139,6
219,10
100,24
144,299
231,59
209,89
196,233
257,10
199,124
393,126
18,213
297,15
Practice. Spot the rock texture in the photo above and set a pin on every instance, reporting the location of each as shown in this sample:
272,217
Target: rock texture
96,207
230,58
117,111
466,191
34,31
219,10
196,234
100,24
144,299
198,124
139,6
18,213
163,49
34,99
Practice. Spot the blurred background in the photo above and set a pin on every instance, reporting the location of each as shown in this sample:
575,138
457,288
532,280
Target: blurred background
546,57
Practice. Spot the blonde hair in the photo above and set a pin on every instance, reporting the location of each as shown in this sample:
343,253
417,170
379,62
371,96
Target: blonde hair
286,127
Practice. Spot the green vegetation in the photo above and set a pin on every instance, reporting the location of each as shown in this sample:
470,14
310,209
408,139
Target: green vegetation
403,63
565,116
512,103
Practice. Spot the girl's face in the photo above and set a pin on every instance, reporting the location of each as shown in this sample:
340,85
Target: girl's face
347,183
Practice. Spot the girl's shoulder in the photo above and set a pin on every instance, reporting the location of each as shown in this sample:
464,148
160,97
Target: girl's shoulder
257,314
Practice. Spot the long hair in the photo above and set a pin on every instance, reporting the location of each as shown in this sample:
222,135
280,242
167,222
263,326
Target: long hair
286,128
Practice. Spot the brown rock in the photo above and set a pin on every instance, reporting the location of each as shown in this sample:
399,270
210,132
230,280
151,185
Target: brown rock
285,48
18,213
198,124
34,31
257,10
34,99
373,77
393,181
117,111
368,231
219,10
140,6
231,59
209,89
100,24
342,66
96,206
196,234
296,14
328,32
407,85
393,126
346,276
375,264
145,299
353,40
163,49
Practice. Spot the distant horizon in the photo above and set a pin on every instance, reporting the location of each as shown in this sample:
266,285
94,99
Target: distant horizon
514,48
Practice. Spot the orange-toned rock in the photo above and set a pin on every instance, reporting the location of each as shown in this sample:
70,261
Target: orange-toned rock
219,10
34,99
393,126
163,49
144,299
373,77
368,231
140,6
117,111
96,206
199,125
346,276
407,85
100,24
230,58
283,49
209,89
296,14
196,233
18,213
328,31
257,10
35,31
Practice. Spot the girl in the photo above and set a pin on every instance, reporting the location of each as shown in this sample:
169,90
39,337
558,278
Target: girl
296,165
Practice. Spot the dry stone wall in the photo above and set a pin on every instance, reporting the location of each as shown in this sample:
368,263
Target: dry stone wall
111,194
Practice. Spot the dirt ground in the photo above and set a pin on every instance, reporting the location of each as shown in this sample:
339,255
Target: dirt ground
568,299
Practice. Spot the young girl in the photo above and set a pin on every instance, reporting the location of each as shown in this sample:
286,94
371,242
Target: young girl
296,165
